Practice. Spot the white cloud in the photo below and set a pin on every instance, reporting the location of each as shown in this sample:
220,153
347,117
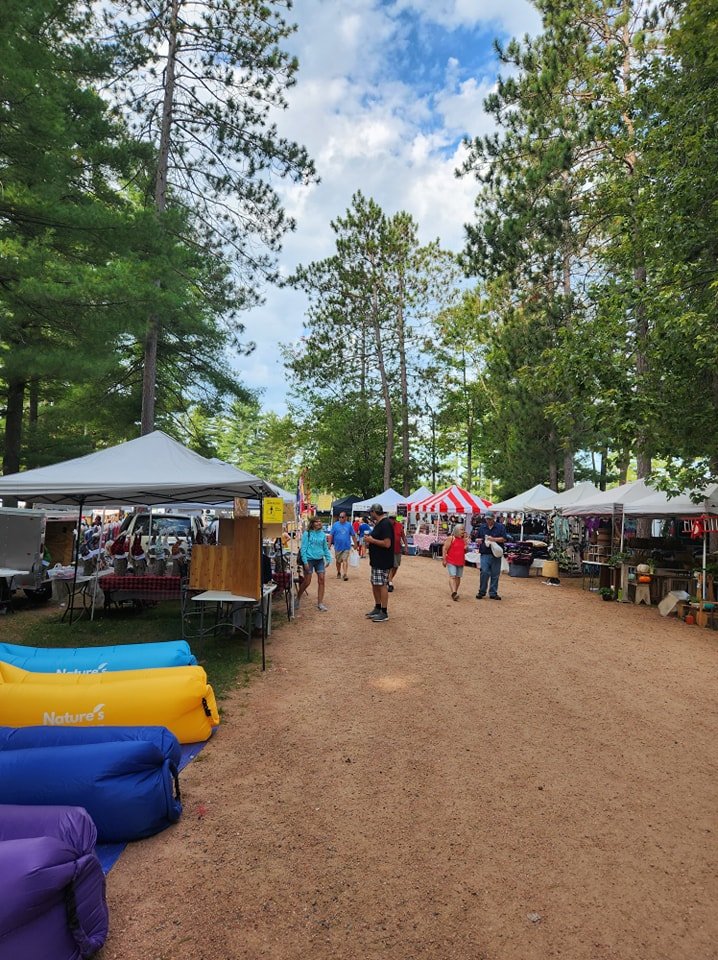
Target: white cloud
516,17
368,130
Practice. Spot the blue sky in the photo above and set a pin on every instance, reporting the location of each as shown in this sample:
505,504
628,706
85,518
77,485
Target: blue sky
385,92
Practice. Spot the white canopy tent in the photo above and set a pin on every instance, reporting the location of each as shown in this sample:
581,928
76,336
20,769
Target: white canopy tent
421,494
518,503
659,504
557,501
611,501
388,499
153,469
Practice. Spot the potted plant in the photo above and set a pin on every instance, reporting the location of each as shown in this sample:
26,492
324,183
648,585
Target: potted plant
605,593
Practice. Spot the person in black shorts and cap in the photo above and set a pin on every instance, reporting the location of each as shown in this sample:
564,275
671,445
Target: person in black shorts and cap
381,560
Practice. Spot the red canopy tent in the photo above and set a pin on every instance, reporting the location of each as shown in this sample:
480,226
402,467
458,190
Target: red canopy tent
452,500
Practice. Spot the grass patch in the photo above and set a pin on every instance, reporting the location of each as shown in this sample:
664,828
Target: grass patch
223,657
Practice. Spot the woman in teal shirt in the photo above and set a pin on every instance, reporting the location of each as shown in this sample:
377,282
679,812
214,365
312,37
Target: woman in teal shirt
315,556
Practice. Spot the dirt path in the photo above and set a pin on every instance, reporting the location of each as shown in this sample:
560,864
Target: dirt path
521,780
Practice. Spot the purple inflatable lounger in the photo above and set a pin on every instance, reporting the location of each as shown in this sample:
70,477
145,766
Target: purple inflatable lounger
53,903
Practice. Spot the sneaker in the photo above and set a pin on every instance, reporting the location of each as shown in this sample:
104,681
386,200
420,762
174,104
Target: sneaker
380,617
480,596
390,588
372,613
320,606
346,578
339,576
495,597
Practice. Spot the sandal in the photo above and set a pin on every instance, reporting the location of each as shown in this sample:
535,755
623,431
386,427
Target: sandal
454,595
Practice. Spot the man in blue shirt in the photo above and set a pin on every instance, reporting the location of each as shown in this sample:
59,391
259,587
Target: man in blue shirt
490,532
342,538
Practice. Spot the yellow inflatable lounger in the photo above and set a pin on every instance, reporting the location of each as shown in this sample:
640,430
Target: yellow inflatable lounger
178,698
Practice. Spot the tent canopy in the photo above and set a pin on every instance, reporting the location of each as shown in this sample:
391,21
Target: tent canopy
388,499
659,504
346,503
614,500
518,503
569,498
421,494
149,470
452,500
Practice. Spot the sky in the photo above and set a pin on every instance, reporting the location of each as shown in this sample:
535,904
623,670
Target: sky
385,92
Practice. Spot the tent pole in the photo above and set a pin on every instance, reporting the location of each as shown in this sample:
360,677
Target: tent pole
705,559
261,577
71,608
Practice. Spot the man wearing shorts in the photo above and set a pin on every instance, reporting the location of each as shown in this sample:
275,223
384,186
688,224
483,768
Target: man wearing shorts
381,559
342,538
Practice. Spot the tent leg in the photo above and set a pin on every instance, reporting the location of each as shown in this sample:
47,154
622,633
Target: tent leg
71,608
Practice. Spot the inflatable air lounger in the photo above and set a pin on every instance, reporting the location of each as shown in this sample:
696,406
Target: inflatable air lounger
125,777
178,698
53,902
125,656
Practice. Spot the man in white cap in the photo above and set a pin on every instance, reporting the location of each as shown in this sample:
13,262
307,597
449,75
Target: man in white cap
490,532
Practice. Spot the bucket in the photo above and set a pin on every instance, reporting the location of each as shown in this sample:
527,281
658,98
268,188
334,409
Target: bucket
550,568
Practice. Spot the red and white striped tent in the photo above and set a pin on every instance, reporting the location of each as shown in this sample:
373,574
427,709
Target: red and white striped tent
452,500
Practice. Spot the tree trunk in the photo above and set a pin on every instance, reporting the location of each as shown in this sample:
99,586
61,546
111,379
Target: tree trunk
569,476
401,345
376,326
13,432
604,469
152,335
552,465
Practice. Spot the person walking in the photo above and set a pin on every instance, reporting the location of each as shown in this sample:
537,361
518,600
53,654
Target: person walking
342,538
315,556
400,545
364,528
490,532
381,559
453,556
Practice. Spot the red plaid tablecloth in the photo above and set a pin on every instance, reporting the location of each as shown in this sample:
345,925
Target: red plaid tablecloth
141,588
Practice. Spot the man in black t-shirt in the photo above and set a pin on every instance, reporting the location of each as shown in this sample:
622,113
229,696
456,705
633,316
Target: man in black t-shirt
381,560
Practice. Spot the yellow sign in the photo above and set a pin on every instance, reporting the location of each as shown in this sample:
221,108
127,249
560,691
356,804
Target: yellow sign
324,502
273,510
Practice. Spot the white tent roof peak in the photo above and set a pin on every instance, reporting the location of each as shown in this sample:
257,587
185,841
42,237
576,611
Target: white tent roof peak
581,491
151,469
518,503
388,499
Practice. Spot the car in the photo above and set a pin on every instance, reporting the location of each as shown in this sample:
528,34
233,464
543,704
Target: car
174,526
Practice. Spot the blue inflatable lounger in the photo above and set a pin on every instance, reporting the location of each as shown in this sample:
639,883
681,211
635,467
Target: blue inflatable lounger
124,656
125,777
53,904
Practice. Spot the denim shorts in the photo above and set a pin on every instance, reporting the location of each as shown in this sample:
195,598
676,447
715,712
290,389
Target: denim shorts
319,566
454,571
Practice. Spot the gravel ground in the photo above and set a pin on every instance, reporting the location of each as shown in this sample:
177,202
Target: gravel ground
520,780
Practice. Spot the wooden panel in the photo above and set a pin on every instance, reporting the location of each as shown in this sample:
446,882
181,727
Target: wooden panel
59,540
225,532
247,565
272,531
211,568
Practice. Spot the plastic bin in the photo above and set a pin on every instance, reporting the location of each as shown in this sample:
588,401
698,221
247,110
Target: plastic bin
518,570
